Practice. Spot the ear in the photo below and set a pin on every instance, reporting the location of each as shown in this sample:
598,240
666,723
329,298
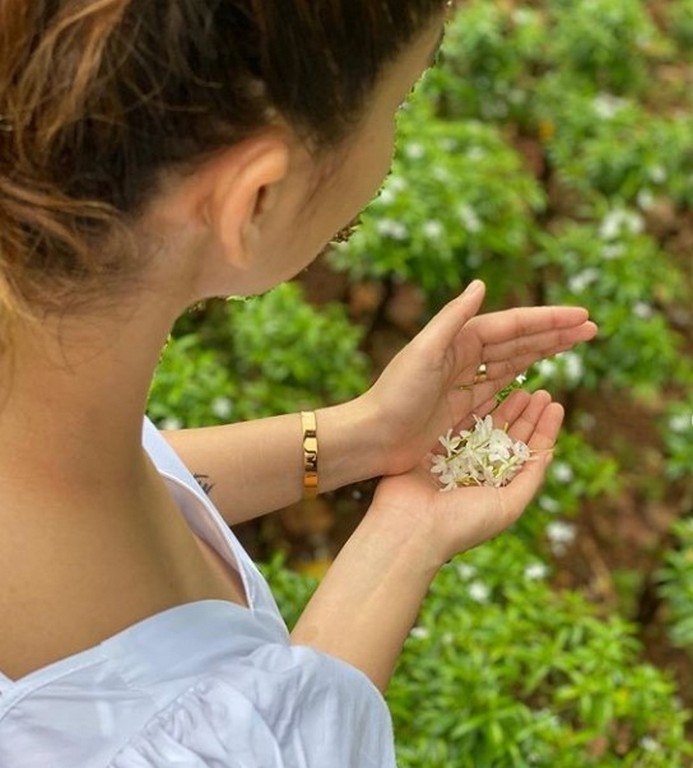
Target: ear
245,186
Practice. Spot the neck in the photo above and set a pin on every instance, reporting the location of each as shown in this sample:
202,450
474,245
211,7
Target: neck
72,406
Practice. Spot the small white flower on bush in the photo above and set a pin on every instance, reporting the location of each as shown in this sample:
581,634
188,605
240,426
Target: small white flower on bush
391,228
547,368
658,174
479,592
386,197
578,283
642,310
476,153
522,16
536,572
613,251
470,218
414,151
681,422
442,174
419,633
171,422
483,455
433,229
389,191
560,535
607,106
645,199
222,407
466,571
549,504
566,366
649,744
619,222
397,183
574,368
562,472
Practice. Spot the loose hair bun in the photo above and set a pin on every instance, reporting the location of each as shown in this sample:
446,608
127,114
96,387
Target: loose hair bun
98,97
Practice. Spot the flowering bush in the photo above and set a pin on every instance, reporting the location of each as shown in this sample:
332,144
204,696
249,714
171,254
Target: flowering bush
601,144
606,42
676,427
676,585
623,277
491,52
271,354
502,671
457,200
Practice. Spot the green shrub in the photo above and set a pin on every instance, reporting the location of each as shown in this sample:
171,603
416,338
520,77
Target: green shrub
602,145
680,26
290,355
607,42
677,431
503,671
457,204
676,585
623,278
192,386
578,474
490,57
271,354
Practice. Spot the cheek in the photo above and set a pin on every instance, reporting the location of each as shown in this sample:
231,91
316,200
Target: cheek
376,164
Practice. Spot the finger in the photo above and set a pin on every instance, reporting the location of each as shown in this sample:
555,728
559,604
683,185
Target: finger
524,486
446,325
525,423
497,327
544,436
510,409
525,350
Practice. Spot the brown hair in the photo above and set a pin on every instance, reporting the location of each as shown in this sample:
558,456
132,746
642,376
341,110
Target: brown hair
97,97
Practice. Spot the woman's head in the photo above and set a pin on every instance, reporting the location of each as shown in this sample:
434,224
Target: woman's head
99,98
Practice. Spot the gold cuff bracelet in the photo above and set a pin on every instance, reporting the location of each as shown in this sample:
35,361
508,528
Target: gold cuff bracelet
310,454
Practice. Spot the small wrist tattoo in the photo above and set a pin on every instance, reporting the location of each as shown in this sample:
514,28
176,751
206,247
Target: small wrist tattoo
205,482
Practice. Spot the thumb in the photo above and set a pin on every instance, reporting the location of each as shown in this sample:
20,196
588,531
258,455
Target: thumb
452,318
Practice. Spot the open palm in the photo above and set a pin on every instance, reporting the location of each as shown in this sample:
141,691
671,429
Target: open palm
454,521
430,385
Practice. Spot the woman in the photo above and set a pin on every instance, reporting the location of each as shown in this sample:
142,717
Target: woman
153,155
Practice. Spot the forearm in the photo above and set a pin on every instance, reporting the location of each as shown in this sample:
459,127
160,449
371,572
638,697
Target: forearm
368,601
254,467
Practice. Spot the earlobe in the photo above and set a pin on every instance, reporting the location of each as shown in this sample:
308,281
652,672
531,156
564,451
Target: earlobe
248,181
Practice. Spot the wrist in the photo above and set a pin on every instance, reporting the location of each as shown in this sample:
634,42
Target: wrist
351,445
367,603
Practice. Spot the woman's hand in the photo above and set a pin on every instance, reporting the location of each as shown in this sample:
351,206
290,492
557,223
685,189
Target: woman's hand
432,384
454,521
370,597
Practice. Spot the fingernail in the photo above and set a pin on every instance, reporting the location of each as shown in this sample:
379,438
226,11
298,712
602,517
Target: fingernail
473,287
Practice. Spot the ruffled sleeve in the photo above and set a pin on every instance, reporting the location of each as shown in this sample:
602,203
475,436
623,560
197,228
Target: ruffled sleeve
280,707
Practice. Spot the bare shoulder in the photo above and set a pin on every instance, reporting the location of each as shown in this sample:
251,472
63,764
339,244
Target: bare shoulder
71,581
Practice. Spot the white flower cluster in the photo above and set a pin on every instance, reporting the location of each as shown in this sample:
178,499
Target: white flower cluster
481,456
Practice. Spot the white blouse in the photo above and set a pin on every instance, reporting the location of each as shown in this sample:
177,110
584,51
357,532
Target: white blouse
208,684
